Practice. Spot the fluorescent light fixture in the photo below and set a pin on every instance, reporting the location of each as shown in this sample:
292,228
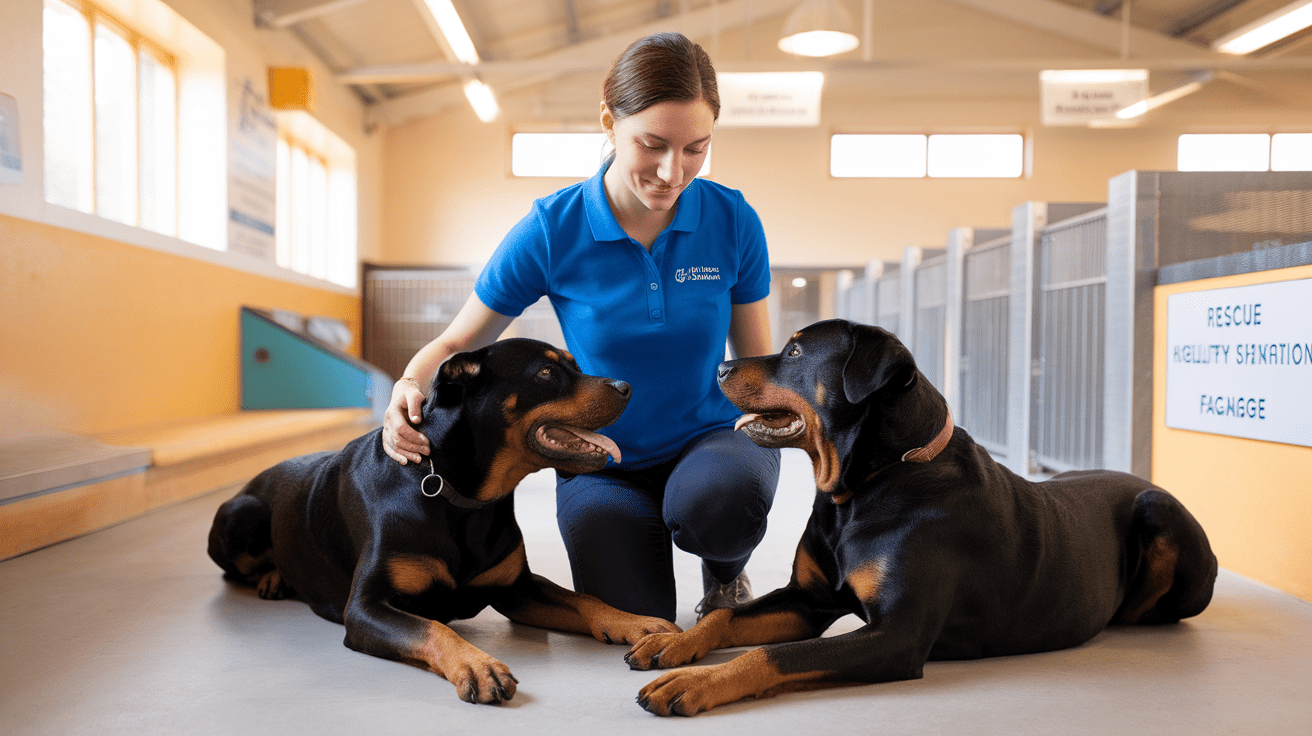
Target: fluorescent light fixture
482,100
1267,30
1162,98
448,21
818,28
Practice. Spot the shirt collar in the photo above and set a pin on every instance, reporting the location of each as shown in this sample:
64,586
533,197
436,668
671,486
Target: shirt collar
603,223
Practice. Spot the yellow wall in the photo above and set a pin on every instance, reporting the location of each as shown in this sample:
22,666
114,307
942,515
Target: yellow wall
1252,497
97,335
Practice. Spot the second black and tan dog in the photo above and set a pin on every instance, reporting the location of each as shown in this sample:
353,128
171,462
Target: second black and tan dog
942,551
396,552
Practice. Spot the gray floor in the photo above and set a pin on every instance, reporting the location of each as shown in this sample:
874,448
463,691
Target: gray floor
132,631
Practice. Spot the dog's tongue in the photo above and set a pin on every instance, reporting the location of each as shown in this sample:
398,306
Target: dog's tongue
600,440
745,420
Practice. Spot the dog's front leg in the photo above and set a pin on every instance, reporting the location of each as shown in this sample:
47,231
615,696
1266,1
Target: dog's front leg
536,601
788,614
862,656
377,627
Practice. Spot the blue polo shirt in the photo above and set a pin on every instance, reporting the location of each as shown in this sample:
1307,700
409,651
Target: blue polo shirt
657,320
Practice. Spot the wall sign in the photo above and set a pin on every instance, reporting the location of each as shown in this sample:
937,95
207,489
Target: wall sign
11,151
1239,361
252,170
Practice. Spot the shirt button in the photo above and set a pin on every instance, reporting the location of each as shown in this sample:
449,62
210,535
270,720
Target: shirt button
656,313
653,286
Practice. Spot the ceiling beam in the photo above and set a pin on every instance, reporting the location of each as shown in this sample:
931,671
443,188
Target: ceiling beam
284,13
1088,27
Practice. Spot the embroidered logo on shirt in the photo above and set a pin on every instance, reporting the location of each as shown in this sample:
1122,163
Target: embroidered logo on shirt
697,273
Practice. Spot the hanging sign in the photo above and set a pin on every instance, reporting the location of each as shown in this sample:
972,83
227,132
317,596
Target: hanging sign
1082,96
1239,362
252,172
770,99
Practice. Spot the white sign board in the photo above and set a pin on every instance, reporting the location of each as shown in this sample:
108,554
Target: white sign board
11,150
770,99
252,177
1239,362
1078,97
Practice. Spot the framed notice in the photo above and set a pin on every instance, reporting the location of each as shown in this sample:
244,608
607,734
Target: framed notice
11,151
1239,362
252,171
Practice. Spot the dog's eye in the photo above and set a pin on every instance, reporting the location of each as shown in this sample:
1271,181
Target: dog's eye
794,351
546,372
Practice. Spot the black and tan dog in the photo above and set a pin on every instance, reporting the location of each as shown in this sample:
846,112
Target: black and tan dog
395,552
944,553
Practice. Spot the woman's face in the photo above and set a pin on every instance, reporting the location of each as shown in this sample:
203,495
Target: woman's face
657,152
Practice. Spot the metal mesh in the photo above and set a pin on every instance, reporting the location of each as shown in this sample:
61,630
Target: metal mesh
1205,215
984,344
405,309
1069,390
888,301
928,324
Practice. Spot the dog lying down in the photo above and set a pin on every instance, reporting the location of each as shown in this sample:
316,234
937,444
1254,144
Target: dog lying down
944,553
395,552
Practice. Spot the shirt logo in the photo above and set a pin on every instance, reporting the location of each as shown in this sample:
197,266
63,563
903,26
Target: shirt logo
697,273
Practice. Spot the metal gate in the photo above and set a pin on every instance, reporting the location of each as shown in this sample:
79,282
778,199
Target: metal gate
984,343
930,304
1071,322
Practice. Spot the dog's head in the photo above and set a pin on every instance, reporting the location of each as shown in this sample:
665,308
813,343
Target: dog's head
848,394
517,406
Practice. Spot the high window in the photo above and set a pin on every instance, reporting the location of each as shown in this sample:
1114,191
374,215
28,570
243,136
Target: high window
939,156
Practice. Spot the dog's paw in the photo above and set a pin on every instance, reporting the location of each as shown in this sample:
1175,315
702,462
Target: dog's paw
686,692
662,650
488,682
627,629
272,587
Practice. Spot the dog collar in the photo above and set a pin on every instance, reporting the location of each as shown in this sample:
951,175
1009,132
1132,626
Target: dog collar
926,453
446,490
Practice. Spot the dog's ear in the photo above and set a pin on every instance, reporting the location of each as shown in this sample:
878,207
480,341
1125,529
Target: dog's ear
877,360
454,377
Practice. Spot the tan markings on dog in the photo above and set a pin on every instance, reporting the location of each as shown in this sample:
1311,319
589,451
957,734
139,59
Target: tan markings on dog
475,674
504,572
247,563
795,336
820,394
868,578
692,690
1160,557
593,404
508,406
552,355
413,574
569,357
806,572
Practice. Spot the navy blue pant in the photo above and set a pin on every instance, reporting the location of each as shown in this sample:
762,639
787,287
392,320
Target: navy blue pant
711,500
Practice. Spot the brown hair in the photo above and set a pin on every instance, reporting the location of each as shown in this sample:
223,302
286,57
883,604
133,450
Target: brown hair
663,67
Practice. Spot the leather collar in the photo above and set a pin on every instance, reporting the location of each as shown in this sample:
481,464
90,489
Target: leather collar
926,453
447,491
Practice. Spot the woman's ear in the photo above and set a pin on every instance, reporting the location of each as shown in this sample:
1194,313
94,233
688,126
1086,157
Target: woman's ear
608,122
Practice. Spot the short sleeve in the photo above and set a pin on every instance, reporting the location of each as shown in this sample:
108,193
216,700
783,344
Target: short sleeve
516,275
753,282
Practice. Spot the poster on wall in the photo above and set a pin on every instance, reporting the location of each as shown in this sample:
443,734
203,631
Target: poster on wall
11,151
1239,362
252,176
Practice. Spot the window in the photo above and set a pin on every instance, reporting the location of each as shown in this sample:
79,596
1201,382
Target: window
315,202
571,155
1245,152
937,156
110,119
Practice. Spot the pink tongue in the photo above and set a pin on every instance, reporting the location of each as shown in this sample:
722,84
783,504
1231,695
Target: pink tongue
600,440
745,419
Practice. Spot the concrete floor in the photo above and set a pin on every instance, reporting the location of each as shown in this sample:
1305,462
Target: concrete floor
131,630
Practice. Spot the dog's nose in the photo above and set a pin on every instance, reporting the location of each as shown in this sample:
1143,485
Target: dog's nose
623,388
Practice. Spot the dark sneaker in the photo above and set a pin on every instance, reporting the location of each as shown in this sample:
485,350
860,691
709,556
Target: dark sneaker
723,595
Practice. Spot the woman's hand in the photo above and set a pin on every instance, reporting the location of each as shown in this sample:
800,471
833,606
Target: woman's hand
401,441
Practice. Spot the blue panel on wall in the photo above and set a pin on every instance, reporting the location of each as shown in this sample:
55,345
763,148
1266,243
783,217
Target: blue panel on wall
286,369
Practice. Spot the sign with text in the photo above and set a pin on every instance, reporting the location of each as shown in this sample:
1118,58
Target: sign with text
770,99
1239,361
1081,96
252,177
